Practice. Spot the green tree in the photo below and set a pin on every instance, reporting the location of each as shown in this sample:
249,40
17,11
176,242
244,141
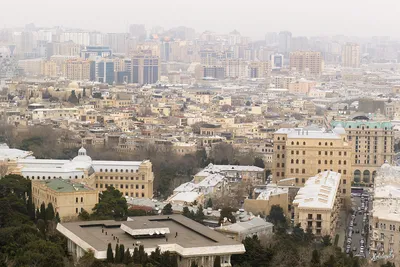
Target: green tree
217,261
43,212
117,258
73,98
110,254
330,262
50,212
84,216
58,217
112,205
200,214
388,264
167,210
315,259
186,212
40,253
209,203
327,240
121,253
84,92
226,212
259,162
277,216
127,257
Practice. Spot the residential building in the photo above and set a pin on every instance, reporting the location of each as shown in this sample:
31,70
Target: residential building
92,52
193,242
317,204
300,153
259,69
384,219
266,198
372,145
77,70
68,197
306,62
351,55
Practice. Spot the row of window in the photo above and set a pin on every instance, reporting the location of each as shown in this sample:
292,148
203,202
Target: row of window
383,226
116,170
121,186
120,178
331,162
49,177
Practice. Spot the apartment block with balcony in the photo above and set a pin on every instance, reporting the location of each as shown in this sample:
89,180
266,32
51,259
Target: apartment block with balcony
317,204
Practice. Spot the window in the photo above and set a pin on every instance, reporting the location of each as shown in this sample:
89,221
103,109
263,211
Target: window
277,156
340,162
142,194
76,200
326,162
331,144
304,152
297,170
304,143
331,162
303,161
319,153
344,171
297,143
326,143
344,181
142,186
344,191
278,165
292,143
319,143
303,180
303,171
340,153
309,216
279,147
81,199
277,174
344,162
137,186
292,152
291,171
76,210
101,170
297,180
143,177
319,217
297,161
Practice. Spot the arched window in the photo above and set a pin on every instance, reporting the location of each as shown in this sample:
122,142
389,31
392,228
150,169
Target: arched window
292,143
331,144
292,161
357,176
304,143
297,161
344,162
122,170
297,143
319,143
101,170
106,170
279,138
366,176
111,170
326,143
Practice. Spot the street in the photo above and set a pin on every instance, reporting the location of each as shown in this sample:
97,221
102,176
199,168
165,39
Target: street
357,229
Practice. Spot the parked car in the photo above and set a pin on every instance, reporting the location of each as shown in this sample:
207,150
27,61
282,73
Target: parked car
357,231
354,248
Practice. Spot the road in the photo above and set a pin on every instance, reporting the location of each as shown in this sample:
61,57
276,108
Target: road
358,226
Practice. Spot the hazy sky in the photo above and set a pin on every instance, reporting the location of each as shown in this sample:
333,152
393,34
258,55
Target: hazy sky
251,17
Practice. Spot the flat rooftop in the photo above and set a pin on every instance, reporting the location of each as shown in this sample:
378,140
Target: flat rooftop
155,231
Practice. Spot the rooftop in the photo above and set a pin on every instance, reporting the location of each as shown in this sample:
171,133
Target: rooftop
308,133
65,186
319,191
175,233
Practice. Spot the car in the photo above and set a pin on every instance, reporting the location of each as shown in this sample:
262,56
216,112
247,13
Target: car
350,233
362,243
360,212
351,223
357,231
353,216
362,232
347,250
355,223
354,248
348,247
349,240
358,208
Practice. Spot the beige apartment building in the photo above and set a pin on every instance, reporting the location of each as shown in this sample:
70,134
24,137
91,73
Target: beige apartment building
68,198
301,87
77,69
317,204
384,222
308,62
351,55
300,153
49,69
372,145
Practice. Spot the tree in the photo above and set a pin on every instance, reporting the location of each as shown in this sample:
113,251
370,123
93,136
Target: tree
127,257
316,259
73,98
200,214
217,261
110,254
40,253
276,216
259,162
248,103
167,210
84,92
121,253
84,216
209,203
43,212
58,217
136,255
50,212
112,205
186,212
327,240
388,264
226,212
117,258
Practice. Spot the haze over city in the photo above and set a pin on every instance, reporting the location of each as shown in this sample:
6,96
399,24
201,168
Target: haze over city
252,18
199,133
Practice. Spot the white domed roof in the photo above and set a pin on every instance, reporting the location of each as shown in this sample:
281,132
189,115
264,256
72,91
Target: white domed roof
82,156
386,165
339,129
73,85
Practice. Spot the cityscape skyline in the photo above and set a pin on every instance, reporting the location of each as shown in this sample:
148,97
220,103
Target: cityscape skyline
344,18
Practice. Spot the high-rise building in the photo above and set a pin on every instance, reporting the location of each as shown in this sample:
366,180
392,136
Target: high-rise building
118,42
77,69
271,38
105,71
299,43
277,61
372,143
259,69
351,55
216,72
285,42
307,62
138,31
91,52
145,68
300,153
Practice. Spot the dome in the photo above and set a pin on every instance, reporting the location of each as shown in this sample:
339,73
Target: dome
73,85
386,165
82,155
339,129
